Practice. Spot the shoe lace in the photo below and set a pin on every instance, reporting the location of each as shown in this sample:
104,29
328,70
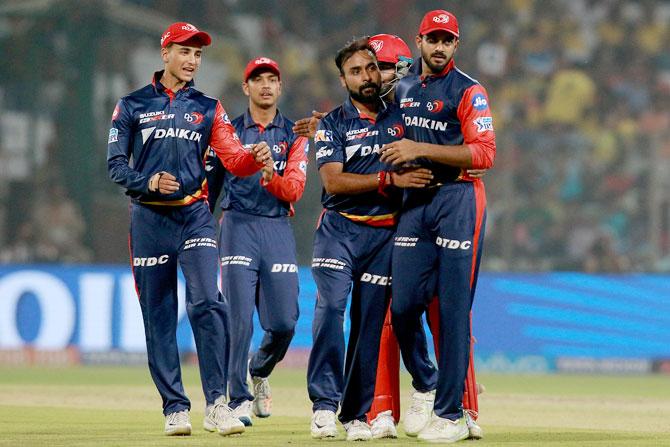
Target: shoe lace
178,418
440,424
418,405
262,389
221,411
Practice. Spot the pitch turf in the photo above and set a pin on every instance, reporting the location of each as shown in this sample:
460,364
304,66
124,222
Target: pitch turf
101,406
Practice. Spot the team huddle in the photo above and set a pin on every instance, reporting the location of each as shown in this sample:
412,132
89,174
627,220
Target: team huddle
401,233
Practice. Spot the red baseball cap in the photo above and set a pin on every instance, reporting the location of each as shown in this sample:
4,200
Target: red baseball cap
261,62
439,20
181,32
389,48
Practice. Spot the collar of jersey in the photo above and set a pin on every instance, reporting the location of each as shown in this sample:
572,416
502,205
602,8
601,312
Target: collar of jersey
277,121
159,87
351,112
417,68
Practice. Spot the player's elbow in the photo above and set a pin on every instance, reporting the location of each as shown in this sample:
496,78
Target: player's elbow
482,158
331,186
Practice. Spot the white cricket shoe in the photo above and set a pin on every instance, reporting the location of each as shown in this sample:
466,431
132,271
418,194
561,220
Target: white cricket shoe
262,397
323,424
419,412
383,426
445,430
178,424
243,413
358,431
474,430
219,417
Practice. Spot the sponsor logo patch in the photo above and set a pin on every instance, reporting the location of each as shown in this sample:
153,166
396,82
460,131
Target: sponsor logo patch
284,268
453,244
323,135
483,123
151,261
397,130
324,152
377,45
194,118
419,121
280,148
442,18
435,106
113,135
479,102
376,279
116,112
408,103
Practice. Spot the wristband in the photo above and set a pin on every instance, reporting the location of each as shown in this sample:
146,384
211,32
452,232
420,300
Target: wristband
381,182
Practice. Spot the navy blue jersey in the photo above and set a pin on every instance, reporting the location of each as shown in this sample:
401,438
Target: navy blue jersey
449,108
250,194
346,136
165,131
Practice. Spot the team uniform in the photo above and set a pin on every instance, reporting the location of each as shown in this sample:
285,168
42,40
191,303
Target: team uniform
441,229
165,131
352,253
257,250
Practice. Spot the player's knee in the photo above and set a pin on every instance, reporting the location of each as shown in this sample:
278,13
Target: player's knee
403,308
284,334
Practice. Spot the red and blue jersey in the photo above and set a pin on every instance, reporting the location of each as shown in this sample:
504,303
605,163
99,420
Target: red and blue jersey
160,130
449,108
349,137
251,194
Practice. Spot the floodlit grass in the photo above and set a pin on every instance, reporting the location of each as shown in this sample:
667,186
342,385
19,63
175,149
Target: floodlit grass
118,406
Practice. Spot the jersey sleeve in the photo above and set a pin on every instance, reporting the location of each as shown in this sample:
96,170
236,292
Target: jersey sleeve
290,186
328,144
227,146
474,114
119,148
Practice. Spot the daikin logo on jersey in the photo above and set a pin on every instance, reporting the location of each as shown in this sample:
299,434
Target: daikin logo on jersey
171,132
418,121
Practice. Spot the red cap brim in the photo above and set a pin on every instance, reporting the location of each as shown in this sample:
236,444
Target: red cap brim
437,28
199,36
264,67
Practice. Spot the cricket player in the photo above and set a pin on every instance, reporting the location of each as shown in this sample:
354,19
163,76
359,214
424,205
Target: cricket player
352,244
394,59
441,228
256,244
166,128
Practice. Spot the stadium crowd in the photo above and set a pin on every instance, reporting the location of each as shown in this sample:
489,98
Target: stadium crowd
580,91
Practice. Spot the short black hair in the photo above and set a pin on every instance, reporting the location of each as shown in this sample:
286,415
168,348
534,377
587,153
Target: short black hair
352,47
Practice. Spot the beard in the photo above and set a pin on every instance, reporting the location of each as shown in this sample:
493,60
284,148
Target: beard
435,68
366,98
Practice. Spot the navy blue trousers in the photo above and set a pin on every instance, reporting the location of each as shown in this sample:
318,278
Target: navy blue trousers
437,249
356,258
161,237
258,270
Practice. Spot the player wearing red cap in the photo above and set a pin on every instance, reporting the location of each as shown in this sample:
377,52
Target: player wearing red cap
256,243
394,60
440,233
166,128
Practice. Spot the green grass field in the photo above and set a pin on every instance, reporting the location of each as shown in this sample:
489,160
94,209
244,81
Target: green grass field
118,406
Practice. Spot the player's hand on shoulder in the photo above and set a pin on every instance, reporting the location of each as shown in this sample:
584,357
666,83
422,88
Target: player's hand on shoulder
399,152
412,178
306,127
163,183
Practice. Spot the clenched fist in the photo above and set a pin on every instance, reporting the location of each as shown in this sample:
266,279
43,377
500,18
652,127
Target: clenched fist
163,183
